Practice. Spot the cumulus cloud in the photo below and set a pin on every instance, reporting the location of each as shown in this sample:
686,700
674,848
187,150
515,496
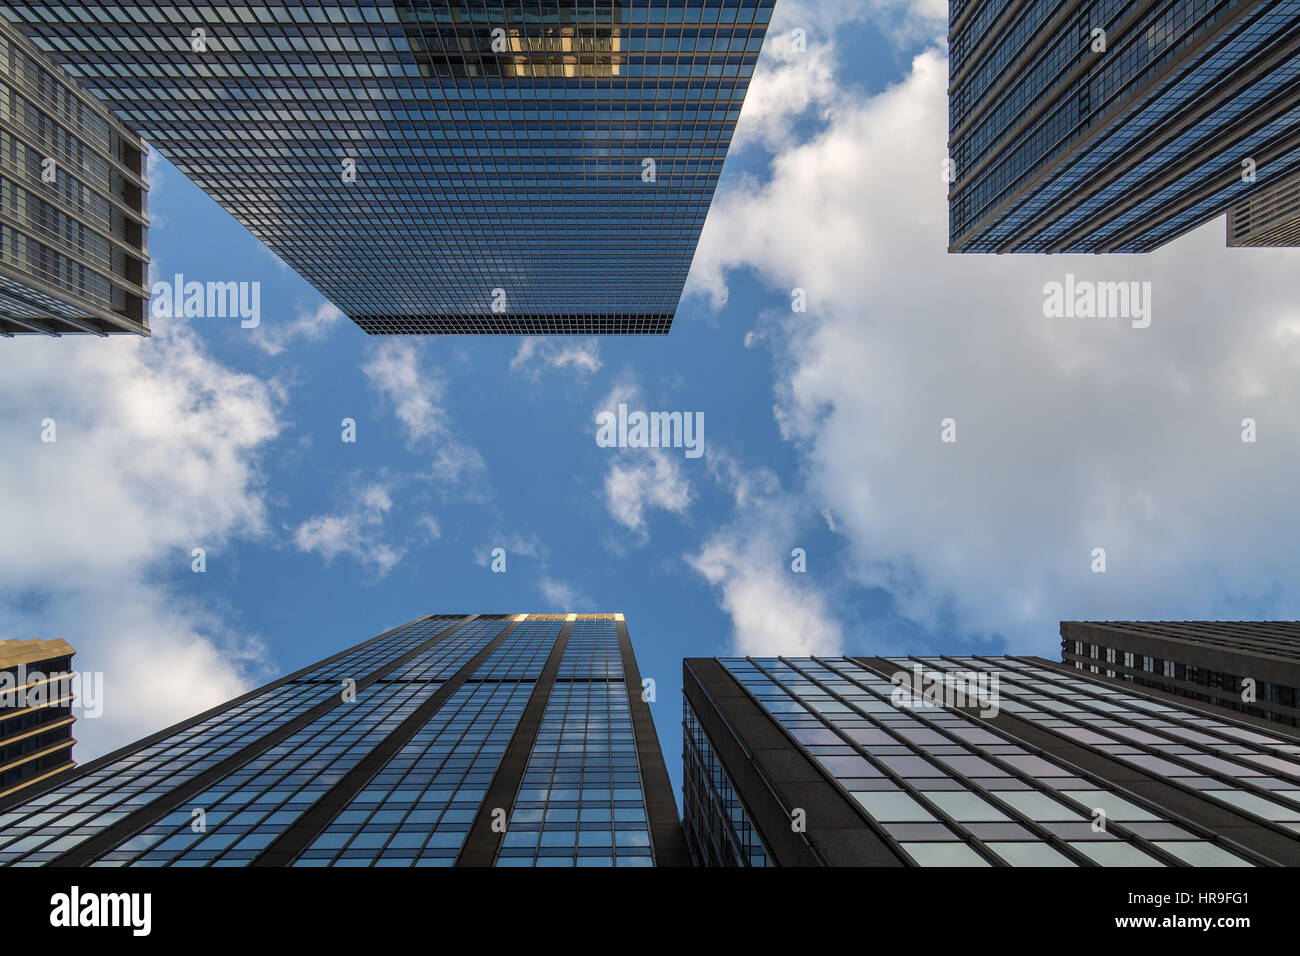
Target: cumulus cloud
798,72
561,595
655,481
1073,434
639,479
513,543
356,531
416,392
774,610
538,352
273,336
904,22
156,452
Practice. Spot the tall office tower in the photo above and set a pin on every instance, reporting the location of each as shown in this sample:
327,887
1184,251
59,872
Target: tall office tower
973,761
35,713
443,166
479,740
72,204
1268,216
1252,667
1089,126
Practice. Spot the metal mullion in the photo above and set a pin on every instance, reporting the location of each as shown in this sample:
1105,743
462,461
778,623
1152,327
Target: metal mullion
77,257
324,737
108,838
1171,685
725,818
482,844
772,789
161,736
1205,833
1062,162
1172,758
1163,855
1034,826
288,846
966,836
1186,725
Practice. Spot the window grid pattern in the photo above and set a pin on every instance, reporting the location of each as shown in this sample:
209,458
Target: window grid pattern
419,807
952,791
75,243
519,168
1274,638
1217,170
54,822
246,810
581,801
1067,211
1241,766
718,830
41,828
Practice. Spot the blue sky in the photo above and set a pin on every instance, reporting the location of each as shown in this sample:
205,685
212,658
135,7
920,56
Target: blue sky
821,432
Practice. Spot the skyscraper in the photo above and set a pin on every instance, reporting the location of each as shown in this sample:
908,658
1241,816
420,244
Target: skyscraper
1116,127
1267,217
444,166
1248,666
72,196
973,761
479,740
35,713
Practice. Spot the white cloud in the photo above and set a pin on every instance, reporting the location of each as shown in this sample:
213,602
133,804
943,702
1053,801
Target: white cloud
774,609
356,531
639,479
561,595
904,22
514,544
797,72
274,337
416,393
538,352
1072,434
651,479
156,453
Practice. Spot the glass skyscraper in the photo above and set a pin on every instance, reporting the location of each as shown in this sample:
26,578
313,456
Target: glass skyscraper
73,255
1247,666
974,761
1117,125
479,740
36,718
516,166
1267,217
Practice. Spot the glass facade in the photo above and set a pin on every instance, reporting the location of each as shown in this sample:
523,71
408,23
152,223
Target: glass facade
454,166
950,783
719,831
72,197
1267,217
1109,126
1217,662
381,756
36,698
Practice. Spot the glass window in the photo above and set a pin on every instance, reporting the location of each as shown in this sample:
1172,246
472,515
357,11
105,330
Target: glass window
892,806
944,854
1030,854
